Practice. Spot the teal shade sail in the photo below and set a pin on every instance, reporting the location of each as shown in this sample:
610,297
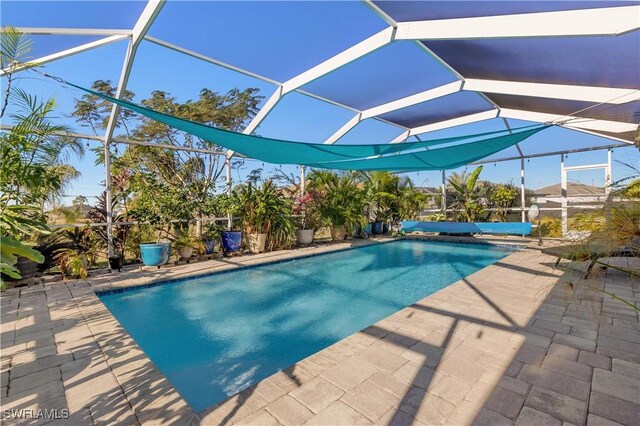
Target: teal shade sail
436,159
401,156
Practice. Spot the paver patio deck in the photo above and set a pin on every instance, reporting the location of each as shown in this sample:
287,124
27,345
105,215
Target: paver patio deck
502,346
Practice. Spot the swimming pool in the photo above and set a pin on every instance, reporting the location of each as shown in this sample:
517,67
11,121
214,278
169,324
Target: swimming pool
216,335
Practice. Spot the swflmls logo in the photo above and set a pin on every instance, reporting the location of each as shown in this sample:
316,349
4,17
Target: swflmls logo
45,414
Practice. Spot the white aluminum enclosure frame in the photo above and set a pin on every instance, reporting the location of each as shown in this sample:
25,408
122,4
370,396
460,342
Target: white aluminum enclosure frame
610,21
563,184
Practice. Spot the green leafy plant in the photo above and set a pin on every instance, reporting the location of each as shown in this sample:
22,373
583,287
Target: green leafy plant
78,253
502,198
306,210
341,200
468,195
187,240
265,210
436,217
120,233
550,227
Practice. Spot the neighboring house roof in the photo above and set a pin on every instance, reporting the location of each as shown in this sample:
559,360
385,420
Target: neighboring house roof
573,189
427,189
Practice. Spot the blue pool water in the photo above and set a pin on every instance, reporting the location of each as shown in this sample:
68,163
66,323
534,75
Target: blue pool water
216,335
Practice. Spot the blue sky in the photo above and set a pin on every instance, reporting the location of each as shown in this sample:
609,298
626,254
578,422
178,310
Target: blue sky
278,40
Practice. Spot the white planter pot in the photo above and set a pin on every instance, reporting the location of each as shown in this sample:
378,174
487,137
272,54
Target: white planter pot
304,236
185,252
257,242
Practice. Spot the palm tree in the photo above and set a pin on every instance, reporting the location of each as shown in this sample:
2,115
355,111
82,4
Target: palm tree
32,155
468,194
36,152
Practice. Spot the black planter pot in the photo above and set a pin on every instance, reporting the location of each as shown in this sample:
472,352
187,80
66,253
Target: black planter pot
385,228
27,269
116,263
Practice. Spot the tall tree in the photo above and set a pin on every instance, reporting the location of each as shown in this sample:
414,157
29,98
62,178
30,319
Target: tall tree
184,178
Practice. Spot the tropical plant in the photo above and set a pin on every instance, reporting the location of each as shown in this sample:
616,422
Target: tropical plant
120,233
436,217
411,202
31,171
78,253
211,231
185,179
502,198
550,227
265,210
341,200
187,240
468,195
306,210
17,221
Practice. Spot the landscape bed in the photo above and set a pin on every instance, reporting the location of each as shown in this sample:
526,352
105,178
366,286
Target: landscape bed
214,335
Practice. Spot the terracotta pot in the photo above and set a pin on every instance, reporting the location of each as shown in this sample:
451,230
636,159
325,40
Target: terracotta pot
338,233
257,242
304,236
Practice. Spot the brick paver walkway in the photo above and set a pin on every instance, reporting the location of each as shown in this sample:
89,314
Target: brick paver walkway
505,345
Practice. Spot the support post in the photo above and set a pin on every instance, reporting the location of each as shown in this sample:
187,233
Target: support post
522,191
608,178
302,181
444,194
227,166
563,186
108,196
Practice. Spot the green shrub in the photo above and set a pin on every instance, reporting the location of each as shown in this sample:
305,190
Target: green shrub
550,227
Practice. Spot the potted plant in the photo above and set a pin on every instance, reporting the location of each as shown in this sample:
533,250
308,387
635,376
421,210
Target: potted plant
230,239
209,237
261,208
18,260
308,218
155,254
120,233
78,253
185,243
340,202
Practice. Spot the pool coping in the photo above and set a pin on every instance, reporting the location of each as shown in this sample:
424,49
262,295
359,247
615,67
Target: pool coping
143,401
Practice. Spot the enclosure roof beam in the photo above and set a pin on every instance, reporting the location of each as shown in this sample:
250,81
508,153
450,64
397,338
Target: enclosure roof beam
549,154
586,22
571,122
405,102
356,51
353,122
554,91
73,31
445,124
65,53
148,15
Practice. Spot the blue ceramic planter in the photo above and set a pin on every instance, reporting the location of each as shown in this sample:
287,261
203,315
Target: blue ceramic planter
376,228
231,240
209,246
155,254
